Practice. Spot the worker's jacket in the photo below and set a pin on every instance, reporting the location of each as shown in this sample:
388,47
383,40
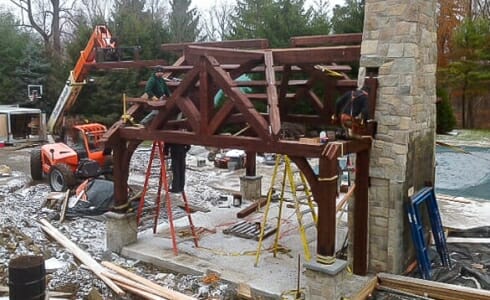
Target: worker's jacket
353,103
156,87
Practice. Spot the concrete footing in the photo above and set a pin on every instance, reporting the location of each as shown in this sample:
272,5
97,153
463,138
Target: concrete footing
325,281
251,187
121,230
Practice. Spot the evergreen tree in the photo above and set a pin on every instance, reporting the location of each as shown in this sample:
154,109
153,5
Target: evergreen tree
22,61
275,20
348,18
468,70
183,22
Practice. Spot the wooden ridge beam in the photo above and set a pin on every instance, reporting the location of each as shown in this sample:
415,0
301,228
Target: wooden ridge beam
222,55
337,54
327,40
240,44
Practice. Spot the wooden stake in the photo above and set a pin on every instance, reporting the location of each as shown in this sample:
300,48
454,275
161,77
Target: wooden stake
83,256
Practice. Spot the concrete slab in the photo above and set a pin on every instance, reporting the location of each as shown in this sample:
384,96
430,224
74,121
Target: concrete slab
232,257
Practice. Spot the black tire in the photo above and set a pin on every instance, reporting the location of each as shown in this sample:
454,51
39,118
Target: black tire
36,165
61,178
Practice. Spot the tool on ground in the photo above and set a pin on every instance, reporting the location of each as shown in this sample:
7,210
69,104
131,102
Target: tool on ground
157,149
308,197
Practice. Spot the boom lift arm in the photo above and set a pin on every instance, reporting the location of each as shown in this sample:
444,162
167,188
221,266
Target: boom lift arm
101,39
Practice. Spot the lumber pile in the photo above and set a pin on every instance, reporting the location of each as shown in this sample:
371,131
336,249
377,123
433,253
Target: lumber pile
117,278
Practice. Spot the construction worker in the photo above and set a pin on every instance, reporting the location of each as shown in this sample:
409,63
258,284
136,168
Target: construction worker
352,108
178,154
155,89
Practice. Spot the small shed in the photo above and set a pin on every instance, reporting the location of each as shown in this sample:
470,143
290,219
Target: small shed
20,124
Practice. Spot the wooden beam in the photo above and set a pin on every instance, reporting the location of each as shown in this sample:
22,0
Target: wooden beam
223,56
252,208
339,54
241,102
431,289
273,102
191,112
126,64
236,44
220,117
327,40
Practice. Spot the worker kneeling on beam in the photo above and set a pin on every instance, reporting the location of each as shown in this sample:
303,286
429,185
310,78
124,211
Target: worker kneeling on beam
352,110
155,89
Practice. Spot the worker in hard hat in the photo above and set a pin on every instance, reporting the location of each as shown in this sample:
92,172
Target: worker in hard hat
155,89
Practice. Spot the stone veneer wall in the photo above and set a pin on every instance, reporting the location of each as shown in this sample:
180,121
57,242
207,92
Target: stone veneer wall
400,39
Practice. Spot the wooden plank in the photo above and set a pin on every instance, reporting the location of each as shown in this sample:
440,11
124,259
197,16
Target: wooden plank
252,208
206,101
326,40
83,256
467,240
64,206
432,289
135,287
367,290
171,294
220,116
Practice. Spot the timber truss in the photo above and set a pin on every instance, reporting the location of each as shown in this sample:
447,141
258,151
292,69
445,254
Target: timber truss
311,73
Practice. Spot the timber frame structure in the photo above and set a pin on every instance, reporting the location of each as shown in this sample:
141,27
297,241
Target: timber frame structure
286,77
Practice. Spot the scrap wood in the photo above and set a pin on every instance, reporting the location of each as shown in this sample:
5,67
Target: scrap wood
64,206
168,293
83,256
469,240
252,208
141,293
134,287
432,289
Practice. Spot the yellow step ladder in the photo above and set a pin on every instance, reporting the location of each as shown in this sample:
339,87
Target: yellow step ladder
288,176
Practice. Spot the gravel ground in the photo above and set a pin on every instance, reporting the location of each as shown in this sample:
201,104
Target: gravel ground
21,205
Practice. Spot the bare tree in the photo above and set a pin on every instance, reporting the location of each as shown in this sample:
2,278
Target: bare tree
481,8
48,18
95,10
217,21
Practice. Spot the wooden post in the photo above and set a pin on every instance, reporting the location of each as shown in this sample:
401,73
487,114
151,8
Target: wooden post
251,164
121,174
325,193
361,214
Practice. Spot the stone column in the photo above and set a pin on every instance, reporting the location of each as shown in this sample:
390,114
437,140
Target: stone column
399,40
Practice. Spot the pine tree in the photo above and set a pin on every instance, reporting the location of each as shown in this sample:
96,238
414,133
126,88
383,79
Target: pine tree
348,18
183,22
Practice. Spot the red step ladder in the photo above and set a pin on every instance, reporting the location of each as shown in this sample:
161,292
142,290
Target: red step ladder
158,149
